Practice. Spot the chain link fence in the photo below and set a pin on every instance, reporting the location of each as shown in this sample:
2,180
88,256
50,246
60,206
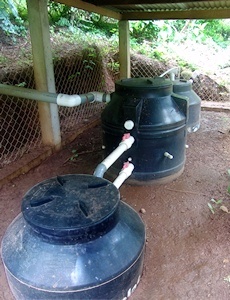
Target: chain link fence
77,70
19,119
207,88
79,73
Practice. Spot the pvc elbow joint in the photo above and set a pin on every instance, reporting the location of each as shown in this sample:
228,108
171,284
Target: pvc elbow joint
100,170
68,100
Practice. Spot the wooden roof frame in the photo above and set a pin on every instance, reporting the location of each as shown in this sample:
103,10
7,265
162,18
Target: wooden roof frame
200,9
91,8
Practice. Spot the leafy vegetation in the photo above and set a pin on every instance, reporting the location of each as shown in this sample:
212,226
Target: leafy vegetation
13,20
160,39
10,21
217,204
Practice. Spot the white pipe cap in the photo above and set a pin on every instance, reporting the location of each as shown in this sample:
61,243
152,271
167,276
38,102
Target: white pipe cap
129,124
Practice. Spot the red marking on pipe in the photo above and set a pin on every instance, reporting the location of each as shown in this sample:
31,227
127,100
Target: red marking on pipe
125,136
125,165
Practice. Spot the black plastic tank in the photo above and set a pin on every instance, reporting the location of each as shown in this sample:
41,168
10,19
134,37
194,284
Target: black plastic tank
148,109
184,88
74,239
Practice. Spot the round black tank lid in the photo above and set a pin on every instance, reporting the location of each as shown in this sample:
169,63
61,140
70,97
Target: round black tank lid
144,82
71,208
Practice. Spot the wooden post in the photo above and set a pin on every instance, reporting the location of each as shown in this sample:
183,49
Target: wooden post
43,70
124,49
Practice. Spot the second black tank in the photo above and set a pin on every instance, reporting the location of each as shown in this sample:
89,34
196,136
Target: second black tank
147,109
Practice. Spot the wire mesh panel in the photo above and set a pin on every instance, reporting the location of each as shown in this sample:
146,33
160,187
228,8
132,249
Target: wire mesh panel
142,66
19,120
209,90
78,73
206,87
19,128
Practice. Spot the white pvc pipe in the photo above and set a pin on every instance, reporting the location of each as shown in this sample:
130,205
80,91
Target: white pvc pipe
75,100
172,73
68,100
168,155
59,99
124,145
124,174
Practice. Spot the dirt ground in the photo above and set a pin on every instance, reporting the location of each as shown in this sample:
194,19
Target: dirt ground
188,247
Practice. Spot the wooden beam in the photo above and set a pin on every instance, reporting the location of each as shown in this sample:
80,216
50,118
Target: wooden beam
91,8
176,15
138,2
124,49
43,70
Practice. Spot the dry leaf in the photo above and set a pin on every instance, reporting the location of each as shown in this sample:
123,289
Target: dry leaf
224,208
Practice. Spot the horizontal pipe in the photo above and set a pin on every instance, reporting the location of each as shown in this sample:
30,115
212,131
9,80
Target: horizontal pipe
101,97
31,94
60,99
75,100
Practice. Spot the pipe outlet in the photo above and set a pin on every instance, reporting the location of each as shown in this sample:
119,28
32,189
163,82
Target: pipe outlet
125,172
168,155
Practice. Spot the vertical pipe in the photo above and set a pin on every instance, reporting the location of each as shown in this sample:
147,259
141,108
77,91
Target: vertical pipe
124,49
124,174
43,70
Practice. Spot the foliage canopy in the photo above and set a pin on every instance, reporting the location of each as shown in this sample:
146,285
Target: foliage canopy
13,22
